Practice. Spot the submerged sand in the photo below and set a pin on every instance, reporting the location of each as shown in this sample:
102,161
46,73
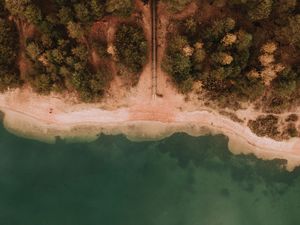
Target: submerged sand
47,117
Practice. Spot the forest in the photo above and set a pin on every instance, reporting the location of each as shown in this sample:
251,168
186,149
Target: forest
54,40
240,50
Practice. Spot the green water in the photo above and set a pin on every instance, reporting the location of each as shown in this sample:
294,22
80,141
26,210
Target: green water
181,180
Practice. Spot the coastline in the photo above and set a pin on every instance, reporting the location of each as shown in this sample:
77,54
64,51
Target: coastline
137,123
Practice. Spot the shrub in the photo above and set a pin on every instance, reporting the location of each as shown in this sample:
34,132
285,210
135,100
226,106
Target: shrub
265,126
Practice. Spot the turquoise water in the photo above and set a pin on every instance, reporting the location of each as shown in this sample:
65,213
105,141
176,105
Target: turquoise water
181,180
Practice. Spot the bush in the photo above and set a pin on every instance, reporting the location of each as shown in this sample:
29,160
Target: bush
292,118
265,126
291,130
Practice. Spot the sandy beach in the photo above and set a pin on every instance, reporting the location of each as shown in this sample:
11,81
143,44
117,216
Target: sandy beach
47,117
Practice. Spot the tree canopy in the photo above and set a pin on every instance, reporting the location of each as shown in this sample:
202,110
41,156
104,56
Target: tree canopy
243,51
131,46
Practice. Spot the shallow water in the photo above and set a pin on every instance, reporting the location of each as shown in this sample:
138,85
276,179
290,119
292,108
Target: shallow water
181,180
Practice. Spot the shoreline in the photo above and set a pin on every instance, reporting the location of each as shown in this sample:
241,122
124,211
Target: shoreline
139,124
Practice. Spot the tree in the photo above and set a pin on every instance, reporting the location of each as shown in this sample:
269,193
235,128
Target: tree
244,40
97,8
176,5
284,6
99,81
219,28
42,83
176,63
285,83
237,2
197,59
24,9
176,44
57,56
65,15
80,52
119,7
34,50
82,12
33,14
259,10
46,41
9,47
199,56
75,30
290,34
17,7
189,26
8,43
179,66
2,9
131,46
222,58
9,78
242,58
91,85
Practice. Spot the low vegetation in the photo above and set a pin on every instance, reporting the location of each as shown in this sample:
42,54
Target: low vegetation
292,118
291,130
265,126
232,116
273,127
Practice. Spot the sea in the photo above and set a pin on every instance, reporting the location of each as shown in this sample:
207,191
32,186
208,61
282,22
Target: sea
180,180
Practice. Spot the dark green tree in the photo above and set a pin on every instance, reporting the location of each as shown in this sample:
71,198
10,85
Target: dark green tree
131,46
119,7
